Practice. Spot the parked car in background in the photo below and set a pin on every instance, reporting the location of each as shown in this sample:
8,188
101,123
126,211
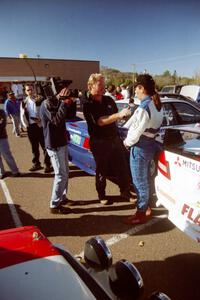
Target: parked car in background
178,110
32,268
177,183
191,91
173,89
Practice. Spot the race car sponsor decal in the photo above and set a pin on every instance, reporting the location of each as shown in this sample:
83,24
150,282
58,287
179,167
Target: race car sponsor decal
188,164
177,162
191,214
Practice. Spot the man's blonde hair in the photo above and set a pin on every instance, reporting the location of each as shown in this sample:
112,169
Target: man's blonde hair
93,79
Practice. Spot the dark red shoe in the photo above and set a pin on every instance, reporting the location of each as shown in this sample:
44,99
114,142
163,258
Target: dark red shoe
138,218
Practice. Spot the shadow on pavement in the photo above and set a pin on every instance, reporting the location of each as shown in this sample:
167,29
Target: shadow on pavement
84,225
177,276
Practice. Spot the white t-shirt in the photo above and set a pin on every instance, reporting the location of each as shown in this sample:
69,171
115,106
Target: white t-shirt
125,94
32,110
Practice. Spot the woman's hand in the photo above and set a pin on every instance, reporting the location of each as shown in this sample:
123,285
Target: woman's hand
125,145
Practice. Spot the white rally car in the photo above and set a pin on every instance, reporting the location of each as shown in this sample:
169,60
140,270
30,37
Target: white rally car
177,182
32,268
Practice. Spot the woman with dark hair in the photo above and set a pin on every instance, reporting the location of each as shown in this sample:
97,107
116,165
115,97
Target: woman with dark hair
143,128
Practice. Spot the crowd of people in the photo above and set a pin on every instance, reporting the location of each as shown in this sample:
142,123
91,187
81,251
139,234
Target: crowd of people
122,92
44,120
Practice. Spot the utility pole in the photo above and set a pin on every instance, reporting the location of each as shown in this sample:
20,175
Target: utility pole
134,68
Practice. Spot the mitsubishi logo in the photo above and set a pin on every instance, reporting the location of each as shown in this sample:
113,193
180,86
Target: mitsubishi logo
177,162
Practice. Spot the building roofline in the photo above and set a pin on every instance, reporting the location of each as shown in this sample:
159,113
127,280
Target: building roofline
53,59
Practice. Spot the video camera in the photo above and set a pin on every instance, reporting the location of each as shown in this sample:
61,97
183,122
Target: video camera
53,86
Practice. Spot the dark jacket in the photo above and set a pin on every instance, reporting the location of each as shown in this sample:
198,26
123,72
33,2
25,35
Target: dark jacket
3,132
53,114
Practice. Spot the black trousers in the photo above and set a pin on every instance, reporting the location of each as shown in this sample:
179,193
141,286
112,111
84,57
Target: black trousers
36,138
109,154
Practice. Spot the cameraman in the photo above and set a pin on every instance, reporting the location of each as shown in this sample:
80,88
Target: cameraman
53,113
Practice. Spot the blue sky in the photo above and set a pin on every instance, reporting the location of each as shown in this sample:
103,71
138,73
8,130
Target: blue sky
156,35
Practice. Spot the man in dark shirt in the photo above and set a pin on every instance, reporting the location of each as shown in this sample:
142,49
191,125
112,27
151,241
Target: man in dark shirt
53,113
101,113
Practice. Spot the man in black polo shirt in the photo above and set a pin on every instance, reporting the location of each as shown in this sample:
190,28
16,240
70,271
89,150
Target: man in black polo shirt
101,113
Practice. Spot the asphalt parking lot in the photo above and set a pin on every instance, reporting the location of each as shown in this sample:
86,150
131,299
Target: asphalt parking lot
168,260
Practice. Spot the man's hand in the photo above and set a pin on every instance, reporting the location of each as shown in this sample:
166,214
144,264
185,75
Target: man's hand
64,93
125,112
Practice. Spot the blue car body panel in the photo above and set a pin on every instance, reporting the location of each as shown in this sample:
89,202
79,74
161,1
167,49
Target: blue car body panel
78,154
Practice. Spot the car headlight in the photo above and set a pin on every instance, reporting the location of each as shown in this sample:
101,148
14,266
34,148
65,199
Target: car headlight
96,254
125,280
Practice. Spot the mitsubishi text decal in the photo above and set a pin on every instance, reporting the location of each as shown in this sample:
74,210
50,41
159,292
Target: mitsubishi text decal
188,164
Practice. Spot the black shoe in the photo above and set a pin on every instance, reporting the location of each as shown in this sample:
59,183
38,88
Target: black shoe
18,174
64,201
48,170
36,168
60,210
103,200
127,196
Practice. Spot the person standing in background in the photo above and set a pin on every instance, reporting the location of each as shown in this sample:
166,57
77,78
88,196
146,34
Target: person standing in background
111,91
12,109
5,149
30,117
125,92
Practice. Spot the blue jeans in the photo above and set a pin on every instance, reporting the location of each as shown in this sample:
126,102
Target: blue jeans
59,161
140,157
7,155
16,124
